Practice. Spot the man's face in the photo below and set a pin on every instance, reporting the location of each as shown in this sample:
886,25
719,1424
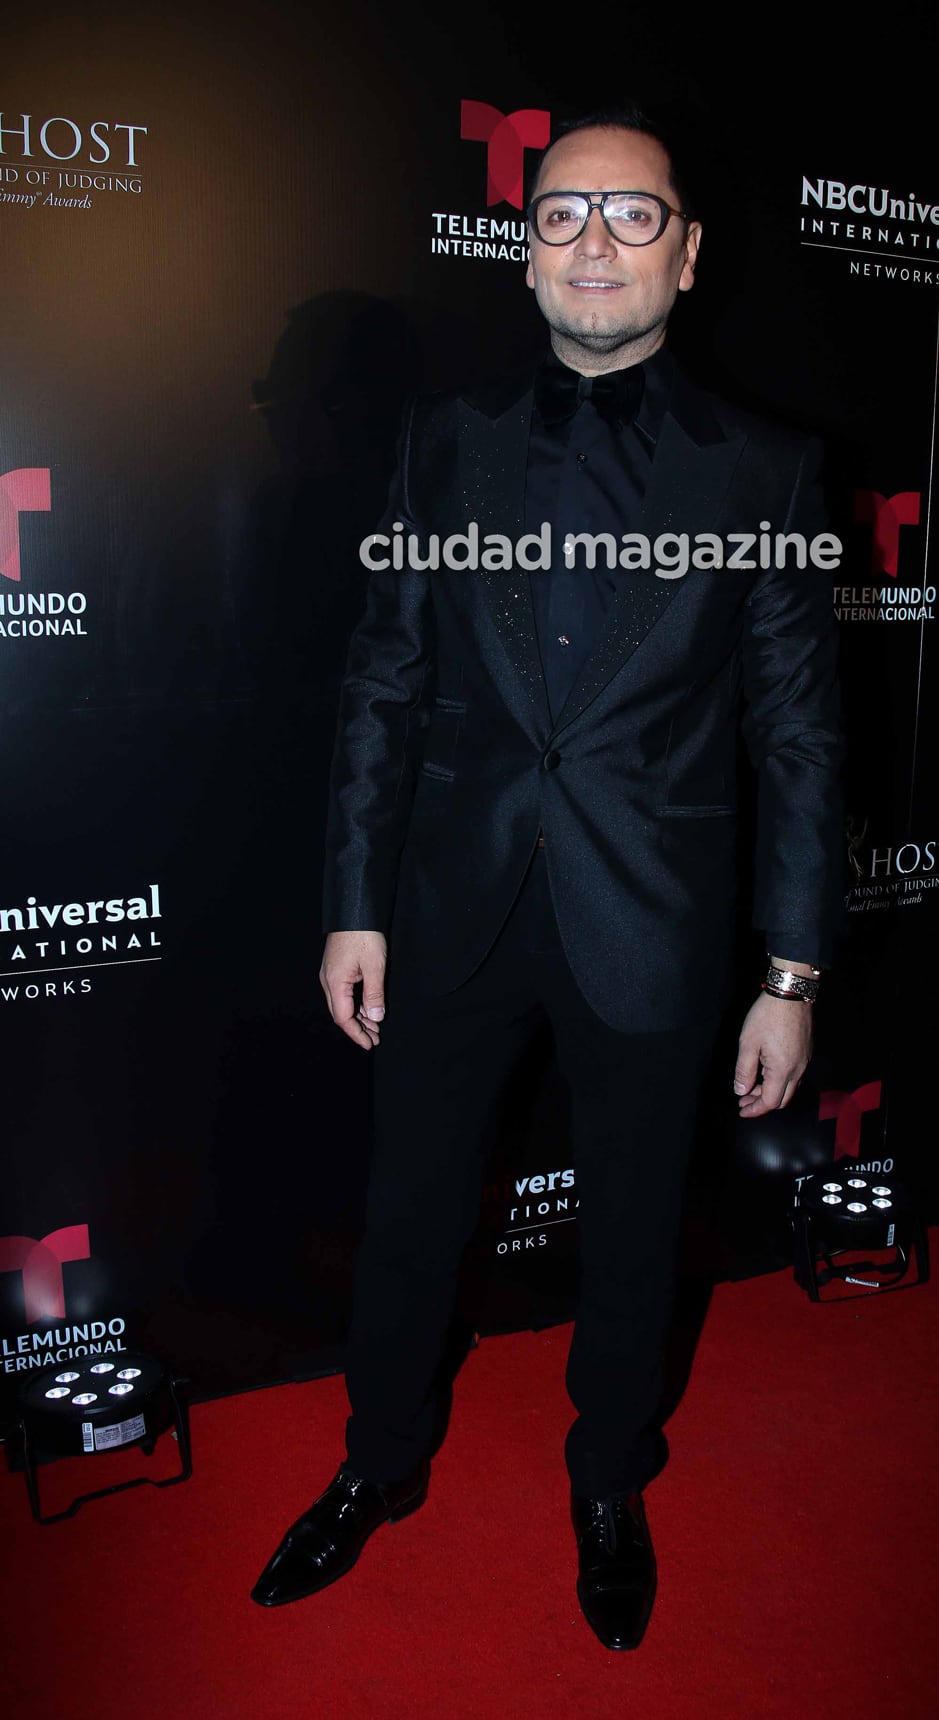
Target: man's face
603,296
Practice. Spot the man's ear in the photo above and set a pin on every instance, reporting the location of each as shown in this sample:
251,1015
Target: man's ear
692,242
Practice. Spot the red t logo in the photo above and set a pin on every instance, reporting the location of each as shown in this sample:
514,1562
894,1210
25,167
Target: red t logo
25,491
848,1109
507,136
886,514
41,1265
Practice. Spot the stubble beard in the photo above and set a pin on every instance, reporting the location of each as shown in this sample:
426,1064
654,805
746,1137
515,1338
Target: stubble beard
601,342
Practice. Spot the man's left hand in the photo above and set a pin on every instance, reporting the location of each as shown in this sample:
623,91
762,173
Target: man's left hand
774,1052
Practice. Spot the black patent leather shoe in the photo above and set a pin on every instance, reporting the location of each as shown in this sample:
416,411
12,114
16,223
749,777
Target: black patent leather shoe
325,1542
616,1584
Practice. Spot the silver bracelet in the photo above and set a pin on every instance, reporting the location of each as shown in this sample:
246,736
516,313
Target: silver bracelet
782,982
787,996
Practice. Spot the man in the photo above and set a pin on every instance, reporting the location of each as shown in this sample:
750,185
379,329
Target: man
531,814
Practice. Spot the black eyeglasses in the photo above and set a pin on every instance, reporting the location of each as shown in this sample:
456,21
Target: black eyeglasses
632,217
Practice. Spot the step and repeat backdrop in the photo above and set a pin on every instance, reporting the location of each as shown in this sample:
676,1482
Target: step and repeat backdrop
234,241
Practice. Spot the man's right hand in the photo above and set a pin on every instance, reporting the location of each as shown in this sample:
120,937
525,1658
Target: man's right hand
348,958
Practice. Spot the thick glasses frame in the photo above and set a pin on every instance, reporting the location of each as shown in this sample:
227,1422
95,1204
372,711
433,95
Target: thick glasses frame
665,210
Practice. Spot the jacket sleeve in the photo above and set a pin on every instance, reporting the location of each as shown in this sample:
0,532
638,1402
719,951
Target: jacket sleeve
792,729
380,725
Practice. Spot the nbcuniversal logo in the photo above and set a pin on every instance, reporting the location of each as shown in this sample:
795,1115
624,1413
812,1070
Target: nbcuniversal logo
487,238
44,947
889,236
30,614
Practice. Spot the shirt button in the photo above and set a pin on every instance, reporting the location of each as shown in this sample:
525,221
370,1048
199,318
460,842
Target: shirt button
581,459
552,760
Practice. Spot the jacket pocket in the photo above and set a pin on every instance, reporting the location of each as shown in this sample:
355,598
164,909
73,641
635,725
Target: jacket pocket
450,704
439,772
694,811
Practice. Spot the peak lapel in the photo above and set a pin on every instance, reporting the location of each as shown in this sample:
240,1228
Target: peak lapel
493,456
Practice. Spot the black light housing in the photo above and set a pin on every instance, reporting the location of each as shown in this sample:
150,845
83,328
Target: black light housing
98,1404
846,1212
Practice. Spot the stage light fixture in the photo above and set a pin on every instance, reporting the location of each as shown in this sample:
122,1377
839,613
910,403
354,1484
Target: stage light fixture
841,1219
97,1406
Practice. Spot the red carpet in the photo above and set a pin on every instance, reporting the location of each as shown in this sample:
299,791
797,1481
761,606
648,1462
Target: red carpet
795,1527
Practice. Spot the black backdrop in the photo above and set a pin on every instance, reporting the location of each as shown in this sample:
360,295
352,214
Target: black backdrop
210,323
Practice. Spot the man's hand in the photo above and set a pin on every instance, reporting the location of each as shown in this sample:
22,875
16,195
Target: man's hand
774,1052
348,958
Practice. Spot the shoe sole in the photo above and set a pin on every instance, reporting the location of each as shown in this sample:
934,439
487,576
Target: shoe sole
405,1510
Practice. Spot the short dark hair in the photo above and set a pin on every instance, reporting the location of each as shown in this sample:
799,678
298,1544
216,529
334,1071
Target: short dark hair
627,116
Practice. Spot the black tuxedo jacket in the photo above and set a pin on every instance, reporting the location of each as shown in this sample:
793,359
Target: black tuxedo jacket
447,764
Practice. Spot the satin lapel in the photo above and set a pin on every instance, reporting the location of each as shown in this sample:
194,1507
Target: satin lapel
493,455
687,485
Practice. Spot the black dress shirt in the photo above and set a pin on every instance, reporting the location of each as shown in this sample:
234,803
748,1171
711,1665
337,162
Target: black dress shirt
586,475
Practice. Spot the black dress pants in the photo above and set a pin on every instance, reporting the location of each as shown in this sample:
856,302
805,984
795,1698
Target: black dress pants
440,1071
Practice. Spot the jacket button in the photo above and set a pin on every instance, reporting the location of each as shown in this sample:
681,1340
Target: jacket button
552,760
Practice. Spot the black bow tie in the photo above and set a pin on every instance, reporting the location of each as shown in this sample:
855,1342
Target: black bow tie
616,394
